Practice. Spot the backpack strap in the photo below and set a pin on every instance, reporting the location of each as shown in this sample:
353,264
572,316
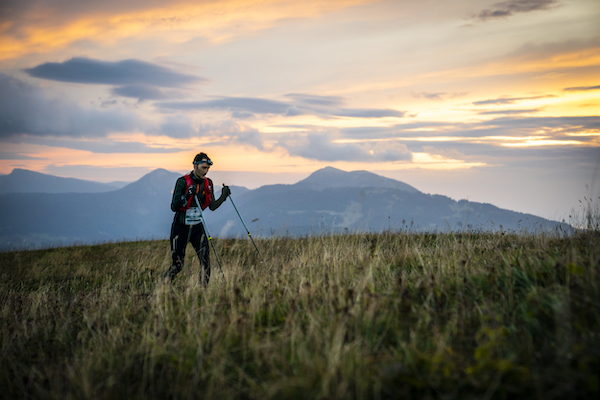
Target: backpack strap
206,195
188,182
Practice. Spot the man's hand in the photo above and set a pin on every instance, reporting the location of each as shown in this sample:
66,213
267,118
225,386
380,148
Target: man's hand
192,190
225,192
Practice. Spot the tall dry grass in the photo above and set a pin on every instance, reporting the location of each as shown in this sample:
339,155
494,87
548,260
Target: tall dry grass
391,315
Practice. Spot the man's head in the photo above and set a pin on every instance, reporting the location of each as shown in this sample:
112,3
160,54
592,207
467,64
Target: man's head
201,165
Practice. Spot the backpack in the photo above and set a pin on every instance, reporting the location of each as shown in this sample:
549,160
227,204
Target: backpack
204,196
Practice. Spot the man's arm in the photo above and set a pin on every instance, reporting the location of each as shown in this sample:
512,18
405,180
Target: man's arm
177,202
214,204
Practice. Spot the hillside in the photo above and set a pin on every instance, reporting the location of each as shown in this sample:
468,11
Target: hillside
418,316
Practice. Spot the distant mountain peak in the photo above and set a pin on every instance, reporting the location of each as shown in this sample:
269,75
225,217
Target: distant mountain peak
157,179
159,172
330,177
25,172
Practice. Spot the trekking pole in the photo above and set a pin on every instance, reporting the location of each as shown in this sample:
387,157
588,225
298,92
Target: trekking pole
249,235
208,236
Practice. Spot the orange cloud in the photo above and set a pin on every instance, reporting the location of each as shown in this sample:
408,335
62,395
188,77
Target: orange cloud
217,21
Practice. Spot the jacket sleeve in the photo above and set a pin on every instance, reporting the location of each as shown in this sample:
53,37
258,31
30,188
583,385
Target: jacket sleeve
214,204
177,202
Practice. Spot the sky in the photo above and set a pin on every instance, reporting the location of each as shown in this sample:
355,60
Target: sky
484,100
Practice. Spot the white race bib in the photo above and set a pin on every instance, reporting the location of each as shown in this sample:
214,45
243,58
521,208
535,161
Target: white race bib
193,216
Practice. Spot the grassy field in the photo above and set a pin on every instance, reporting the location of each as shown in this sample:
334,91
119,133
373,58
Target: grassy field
371,316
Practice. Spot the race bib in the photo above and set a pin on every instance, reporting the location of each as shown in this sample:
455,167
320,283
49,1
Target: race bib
193,216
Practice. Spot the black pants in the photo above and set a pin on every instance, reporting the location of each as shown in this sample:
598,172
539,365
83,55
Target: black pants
180,236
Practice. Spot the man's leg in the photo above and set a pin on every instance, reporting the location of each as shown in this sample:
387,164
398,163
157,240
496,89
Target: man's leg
200,242
179,239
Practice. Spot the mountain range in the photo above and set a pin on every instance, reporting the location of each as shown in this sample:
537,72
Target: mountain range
25,181
328,201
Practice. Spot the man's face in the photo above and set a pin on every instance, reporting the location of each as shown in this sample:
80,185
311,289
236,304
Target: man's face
200,170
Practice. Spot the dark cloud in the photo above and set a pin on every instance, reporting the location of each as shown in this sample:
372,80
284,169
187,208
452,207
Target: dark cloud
25,109
246,107
510,100
126,72
509,8
140,92
581,88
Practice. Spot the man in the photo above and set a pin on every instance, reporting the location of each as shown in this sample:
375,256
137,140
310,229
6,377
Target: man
187,227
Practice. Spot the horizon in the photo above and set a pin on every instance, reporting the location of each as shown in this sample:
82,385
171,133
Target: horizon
490,101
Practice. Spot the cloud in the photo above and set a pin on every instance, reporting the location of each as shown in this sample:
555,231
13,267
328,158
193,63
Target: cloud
555,128
178,126
482,137
509,8
102,146
233,132
4,155
430,96
126,72
322,147
407,130
367,113
549,122
239,104
246,107
45,24
313,100
528,111
25,109
251,137
581,88
228,131
65,10
314,144
438,96
131,78
141,92
510,100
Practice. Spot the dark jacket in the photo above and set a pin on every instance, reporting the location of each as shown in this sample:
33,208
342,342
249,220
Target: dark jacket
178,196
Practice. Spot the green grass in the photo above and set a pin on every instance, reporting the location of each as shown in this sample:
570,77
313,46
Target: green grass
371,316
